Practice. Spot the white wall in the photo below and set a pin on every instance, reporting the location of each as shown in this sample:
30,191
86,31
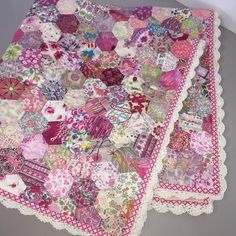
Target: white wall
226,9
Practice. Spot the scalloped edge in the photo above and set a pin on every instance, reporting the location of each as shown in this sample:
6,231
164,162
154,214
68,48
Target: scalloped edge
180,209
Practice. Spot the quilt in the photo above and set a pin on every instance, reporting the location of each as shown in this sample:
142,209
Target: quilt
106,111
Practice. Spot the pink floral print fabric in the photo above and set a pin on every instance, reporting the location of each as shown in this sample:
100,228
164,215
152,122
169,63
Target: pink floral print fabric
58,182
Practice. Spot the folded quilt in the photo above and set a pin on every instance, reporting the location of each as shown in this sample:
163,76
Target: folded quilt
100,105
193,172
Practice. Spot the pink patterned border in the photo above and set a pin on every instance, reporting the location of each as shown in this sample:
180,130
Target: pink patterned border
164,201
216,181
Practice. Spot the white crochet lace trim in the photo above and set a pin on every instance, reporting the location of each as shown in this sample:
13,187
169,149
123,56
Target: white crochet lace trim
180,209
222,142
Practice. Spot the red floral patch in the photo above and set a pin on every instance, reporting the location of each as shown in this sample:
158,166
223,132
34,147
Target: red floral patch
179,140
112,76
68,23
138,102
83,192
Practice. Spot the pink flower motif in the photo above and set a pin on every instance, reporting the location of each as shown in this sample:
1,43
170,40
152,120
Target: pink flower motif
49,110
34,147
31,58
83,192
108,59
171,79
179,140
115,94
128,66
201,142
33,99
70,60
11,161
90,93
58,182
55,110
81,166
31,23
88,215
38,195
77,119
142,13
104,175
182,49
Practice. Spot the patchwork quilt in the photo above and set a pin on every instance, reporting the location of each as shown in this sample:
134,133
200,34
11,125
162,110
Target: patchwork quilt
106,111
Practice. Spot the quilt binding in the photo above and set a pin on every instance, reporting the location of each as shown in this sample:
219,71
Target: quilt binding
207,208
179,208
148,196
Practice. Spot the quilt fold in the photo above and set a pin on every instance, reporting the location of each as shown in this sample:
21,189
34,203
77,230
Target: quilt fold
194,183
